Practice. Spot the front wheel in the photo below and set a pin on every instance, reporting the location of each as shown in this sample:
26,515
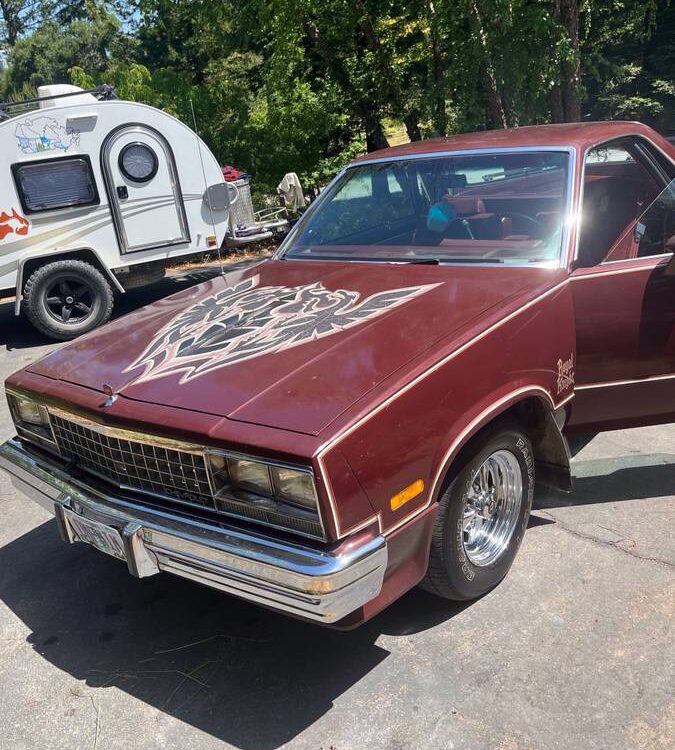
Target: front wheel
482,516
67,298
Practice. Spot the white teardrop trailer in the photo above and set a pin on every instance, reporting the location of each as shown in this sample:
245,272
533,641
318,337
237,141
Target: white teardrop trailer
99,195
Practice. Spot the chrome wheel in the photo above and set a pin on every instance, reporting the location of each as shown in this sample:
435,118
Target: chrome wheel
491,508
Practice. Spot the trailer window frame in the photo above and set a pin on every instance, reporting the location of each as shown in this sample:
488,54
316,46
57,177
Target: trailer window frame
17,167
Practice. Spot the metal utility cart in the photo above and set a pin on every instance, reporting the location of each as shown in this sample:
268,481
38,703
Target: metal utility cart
246,225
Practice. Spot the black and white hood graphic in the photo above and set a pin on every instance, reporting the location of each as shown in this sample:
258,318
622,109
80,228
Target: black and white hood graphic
247,320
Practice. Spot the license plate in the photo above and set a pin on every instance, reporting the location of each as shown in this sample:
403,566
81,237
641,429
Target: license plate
99,535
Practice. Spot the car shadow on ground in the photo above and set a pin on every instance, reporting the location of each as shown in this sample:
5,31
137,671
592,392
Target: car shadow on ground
18,333
614,480
250,677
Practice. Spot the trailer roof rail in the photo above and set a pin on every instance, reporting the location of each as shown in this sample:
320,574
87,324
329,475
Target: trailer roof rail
104,92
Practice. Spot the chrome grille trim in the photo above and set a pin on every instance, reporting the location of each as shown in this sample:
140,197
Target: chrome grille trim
125,434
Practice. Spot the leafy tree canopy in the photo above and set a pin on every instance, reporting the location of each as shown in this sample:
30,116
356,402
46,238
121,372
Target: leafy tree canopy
303,85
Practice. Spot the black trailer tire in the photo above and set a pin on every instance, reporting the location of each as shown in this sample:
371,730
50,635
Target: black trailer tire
465,560
66,298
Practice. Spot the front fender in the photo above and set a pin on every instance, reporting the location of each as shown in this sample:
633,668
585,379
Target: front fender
499,405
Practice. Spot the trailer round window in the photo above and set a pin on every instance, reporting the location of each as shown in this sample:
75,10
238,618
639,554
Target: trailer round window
138,162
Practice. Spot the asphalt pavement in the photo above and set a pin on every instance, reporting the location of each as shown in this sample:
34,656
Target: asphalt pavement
574,650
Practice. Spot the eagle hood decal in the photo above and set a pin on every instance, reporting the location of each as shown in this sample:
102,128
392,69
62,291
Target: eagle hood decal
247,320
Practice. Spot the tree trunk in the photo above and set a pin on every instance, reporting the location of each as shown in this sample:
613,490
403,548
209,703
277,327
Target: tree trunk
386,73
439,115
566,12
556,105
375,137
496,116
368,112
10,16
412,127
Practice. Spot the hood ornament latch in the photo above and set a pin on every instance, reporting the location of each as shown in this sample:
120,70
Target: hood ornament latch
112,396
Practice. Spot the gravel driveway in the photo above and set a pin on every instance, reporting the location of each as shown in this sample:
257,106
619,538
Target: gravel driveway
574,650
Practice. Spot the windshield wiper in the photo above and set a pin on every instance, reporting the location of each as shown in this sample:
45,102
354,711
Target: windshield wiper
437,261
475,260
398,261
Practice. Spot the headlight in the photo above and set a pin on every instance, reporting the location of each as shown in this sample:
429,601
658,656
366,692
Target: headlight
250,475
31,420
294,486
281,496
30,412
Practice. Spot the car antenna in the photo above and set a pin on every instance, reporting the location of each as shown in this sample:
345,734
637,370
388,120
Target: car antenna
206,187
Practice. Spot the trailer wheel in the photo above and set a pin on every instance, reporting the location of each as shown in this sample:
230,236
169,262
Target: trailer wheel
67,298
482,516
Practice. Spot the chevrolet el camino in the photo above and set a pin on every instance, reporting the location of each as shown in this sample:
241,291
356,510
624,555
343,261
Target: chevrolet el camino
371,408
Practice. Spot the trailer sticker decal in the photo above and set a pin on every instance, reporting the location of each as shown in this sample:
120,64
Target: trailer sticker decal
40,134
247,320
13,223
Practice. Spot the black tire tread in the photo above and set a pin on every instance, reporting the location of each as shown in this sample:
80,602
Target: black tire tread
435,581
35,314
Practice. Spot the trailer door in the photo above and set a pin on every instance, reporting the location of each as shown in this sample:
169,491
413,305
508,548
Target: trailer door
144,189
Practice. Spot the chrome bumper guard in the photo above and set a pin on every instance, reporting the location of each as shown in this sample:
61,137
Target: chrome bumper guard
293,578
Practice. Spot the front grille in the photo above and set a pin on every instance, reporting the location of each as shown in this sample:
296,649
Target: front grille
139,466
161,469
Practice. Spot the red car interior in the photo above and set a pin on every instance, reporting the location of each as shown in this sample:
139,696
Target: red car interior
612,192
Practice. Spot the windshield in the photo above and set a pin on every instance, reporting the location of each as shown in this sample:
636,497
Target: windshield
490,207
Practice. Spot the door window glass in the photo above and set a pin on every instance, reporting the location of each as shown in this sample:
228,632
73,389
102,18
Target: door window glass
617,188
655,229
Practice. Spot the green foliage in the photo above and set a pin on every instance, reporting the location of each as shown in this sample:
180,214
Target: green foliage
302,85
630,61
48,54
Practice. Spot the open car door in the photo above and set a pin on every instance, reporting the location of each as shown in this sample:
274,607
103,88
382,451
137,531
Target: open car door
625,303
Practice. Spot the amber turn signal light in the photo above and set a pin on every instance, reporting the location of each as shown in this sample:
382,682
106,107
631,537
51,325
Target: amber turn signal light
406,494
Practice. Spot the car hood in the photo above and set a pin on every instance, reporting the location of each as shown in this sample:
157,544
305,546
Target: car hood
286,344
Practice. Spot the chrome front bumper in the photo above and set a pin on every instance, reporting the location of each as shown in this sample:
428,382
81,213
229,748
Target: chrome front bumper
304,581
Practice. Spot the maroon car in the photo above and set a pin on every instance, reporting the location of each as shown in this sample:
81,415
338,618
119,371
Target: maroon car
370,409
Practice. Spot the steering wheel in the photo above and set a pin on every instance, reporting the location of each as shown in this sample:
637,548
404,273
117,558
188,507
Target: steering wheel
431,237
465,225
527,219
